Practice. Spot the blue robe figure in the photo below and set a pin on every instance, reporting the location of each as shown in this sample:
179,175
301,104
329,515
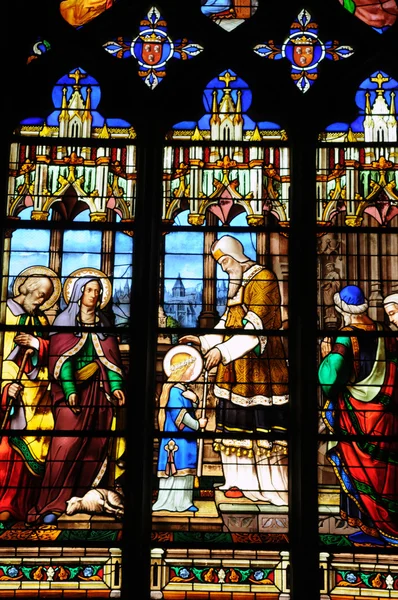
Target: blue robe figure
178,457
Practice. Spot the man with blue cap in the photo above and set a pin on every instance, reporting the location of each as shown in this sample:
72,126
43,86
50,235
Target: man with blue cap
358,375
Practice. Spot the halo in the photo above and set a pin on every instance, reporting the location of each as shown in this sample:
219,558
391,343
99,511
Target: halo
39,271
186,350
88,272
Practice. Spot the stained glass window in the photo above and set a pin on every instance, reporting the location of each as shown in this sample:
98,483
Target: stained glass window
223,318
199,301
67,274
357,285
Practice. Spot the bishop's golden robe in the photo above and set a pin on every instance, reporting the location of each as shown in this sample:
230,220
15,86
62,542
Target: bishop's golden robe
252,380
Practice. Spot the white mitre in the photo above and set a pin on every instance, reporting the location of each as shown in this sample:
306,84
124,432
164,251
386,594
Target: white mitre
229,246
391,299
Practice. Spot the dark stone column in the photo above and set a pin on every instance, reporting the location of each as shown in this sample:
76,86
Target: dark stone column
209,316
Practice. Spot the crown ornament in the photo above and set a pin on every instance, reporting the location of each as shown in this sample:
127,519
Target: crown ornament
152,38
303,40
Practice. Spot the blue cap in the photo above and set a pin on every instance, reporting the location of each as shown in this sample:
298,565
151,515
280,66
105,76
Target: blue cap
352,294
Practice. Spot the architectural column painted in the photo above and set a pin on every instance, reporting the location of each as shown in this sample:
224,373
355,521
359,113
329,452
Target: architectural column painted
351,258
4,285
209,316
108,248
114,572
13,166
321,185
389,249
325,581
281,575
158,573
55,259
376,310
262,248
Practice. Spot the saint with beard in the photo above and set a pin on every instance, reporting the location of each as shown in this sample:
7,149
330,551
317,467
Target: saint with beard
22,458
359,378
251,384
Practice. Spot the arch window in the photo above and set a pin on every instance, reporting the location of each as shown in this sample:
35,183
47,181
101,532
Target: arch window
198,264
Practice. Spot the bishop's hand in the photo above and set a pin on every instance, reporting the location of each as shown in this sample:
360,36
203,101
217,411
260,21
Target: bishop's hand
212,358
189,339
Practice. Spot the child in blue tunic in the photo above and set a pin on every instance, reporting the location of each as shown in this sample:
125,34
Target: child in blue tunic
178,457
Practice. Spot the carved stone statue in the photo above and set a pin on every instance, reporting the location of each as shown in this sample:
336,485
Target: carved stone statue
330,286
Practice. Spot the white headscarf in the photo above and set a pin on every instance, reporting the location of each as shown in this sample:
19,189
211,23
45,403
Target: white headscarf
391,299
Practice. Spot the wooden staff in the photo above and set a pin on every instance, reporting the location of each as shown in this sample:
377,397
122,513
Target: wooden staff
21,370
203,415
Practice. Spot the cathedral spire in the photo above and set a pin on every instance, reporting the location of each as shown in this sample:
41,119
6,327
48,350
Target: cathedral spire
64,106
392,105
227,105
380,123
178,289
87,108
392,120
238,119
215,118
368,109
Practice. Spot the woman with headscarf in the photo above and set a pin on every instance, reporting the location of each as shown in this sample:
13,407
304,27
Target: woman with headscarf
178,456
87,379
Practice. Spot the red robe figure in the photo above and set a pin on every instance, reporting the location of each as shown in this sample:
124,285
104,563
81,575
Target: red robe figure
87,380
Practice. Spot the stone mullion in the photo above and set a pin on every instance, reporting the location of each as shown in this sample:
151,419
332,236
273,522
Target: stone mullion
141,384
303,427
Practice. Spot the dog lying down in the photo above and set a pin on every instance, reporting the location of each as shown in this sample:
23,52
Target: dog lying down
97,501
